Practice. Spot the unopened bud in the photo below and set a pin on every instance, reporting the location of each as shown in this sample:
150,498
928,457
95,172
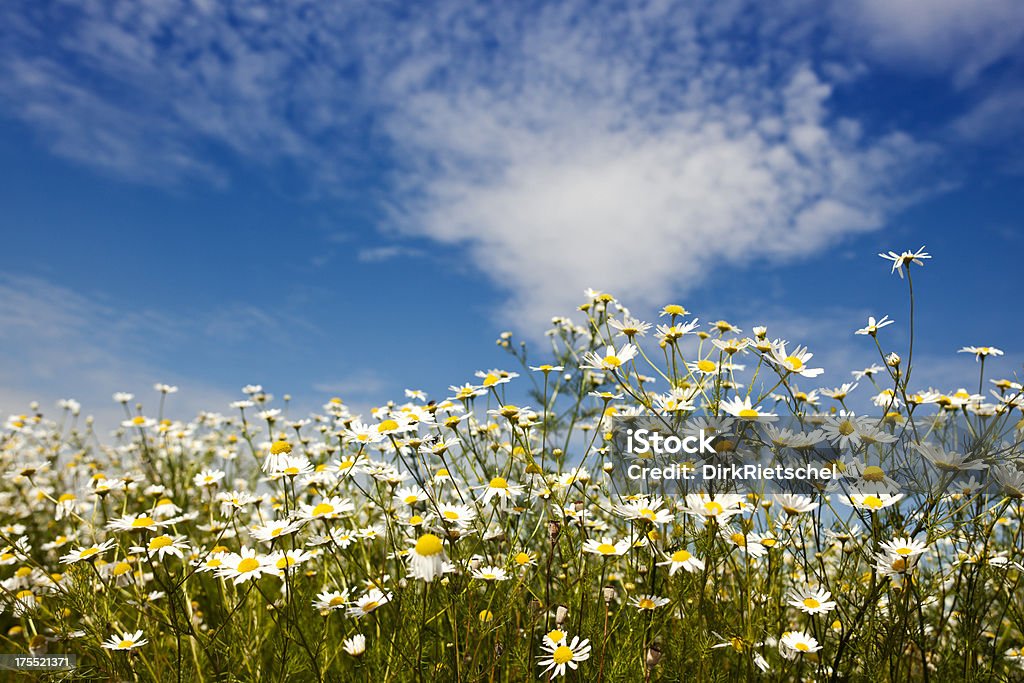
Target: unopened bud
561,614
609,593
653,656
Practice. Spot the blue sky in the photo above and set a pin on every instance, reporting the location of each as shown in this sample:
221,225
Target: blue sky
353,198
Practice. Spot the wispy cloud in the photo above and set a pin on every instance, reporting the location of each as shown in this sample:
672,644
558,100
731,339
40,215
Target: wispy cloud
59,343
960,37
386,253
633,148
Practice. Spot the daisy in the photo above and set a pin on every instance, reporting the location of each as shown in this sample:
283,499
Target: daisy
245,565
606,547
555,638
795,362
748,543
499,488
844,430
812,601
644,508
409,495
795,643
841,392
426,558
134,523
125,641
282,561
947,461
163,545
369,601
85,553
493,378
330,507
870,501
611,360
981,352
355,646
208,478
524,558
285,465
459,515
682,559
741,407
904,547
793,504
720,507
328,601
547,368
559,656
731,346
874,326
630,327
490,574
274,529
648,602
895,565
904,260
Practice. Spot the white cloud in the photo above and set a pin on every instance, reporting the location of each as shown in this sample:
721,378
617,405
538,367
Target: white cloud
997,118
962,37
628,148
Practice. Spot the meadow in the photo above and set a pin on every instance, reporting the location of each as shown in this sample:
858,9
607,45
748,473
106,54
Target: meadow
478,536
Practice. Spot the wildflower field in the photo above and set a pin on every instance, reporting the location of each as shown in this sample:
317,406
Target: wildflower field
480,536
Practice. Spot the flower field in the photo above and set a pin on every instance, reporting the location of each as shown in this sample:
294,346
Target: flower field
480,536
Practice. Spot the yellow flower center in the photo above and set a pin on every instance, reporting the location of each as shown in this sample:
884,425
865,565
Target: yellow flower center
562,654
138,420
142,522
645,603
279,447
122,568
794,363
873,473
846,428
903,551
451,514
66,497
739,539
748,412
803,647
713,507
611,362
706,365
556,636
160,542
370,606
323,509
811,603
125,644
88,552
873,502
680,556
522,558
899,564
428,545
336,600
247,565
491,379
387,426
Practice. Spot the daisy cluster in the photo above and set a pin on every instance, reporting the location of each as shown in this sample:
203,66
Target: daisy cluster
471,536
